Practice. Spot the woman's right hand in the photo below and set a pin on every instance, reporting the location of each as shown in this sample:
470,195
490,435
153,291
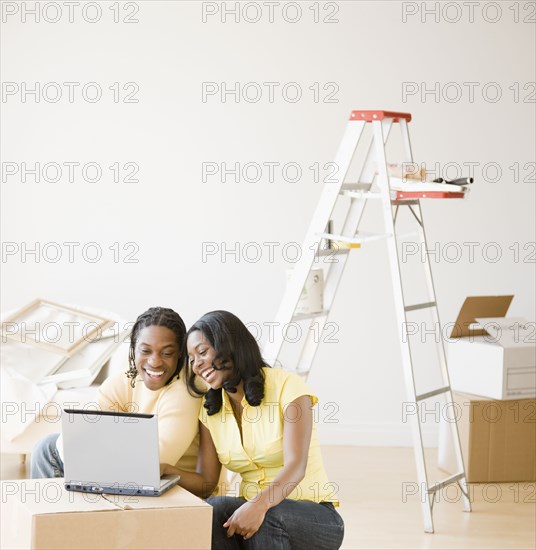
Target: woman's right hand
165,469
246,520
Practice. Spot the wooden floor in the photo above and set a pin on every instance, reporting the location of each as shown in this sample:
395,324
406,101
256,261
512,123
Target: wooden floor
377,513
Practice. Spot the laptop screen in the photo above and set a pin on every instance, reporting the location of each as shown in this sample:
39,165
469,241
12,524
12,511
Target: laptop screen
108,448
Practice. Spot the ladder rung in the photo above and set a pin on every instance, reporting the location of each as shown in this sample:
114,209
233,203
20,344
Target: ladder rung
332,251
355,187
447,481
358,194
358,239
302,316
429,394
424,305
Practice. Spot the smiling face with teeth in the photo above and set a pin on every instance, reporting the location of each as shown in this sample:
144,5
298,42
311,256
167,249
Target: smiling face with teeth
156,355
201,356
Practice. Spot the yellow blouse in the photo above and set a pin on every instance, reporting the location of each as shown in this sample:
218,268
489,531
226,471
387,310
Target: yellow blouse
260,458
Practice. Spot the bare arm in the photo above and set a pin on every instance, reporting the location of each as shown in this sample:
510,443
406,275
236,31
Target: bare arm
177,422
297,431
112,395
204,481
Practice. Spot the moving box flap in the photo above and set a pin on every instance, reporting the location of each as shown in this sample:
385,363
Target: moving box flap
509,332
177,497
479,306
48,496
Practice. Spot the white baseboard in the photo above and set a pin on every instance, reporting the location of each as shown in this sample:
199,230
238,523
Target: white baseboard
375,435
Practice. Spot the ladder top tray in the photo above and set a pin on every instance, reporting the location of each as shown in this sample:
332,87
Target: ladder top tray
371,116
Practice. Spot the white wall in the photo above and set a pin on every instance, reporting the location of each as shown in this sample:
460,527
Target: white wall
170,132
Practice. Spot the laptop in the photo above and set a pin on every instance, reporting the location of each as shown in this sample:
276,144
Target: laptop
112,453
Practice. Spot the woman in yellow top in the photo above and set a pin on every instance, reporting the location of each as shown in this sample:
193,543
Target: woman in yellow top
257,421
155,383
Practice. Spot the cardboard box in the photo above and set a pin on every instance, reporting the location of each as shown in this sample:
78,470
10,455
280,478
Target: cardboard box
40,514
498,439
490,354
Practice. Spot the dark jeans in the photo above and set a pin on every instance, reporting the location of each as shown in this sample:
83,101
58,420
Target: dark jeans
291,525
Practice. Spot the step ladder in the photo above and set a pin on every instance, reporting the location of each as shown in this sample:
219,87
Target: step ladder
373,184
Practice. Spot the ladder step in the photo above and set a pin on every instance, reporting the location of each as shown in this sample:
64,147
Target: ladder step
359,190
355,187
332,251
302,316
424,305
432,393
362,194
358,239
447,481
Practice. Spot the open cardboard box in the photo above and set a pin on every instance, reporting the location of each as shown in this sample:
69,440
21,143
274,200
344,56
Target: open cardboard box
40,514
490,354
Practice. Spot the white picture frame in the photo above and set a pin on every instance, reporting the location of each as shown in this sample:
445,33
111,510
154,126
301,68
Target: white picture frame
54,327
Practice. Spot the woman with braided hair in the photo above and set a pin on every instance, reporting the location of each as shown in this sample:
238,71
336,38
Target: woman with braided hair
155,383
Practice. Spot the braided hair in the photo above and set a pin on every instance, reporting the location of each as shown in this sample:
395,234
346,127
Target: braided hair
233,343
161,317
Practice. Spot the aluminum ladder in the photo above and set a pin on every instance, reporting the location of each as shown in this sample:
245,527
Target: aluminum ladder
373,173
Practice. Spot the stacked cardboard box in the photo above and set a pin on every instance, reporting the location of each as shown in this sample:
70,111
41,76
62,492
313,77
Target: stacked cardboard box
492,367
498,439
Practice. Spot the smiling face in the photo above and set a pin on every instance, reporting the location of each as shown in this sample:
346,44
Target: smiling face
156,355
201,356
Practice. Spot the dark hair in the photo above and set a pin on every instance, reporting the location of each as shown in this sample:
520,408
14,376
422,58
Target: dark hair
160,317
233,343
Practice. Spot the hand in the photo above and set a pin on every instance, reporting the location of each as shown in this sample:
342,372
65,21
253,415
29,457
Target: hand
164,469
245,521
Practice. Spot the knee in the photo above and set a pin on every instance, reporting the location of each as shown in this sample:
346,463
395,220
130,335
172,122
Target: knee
42,453
223,507
276,515
45,446
218,503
